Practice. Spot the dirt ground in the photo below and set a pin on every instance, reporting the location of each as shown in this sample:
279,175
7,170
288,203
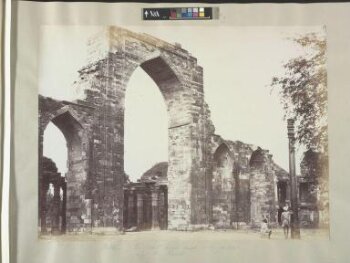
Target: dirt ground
219,235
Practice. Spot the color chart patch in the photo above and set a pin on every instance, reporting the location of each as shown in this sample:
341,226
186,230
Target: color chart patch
184,13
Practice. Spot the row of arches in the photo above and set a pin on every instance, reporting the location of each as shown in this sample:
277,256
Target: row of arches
230,195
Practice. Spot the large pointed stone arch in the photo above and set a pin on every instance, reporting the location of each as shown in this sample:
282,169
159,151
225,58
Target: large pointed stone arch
174,93
180,81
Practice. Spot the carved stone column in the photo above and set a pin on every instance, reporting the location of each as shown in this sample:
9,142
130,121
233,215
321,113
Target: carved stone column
155,209
64,207
57,206
295,228
162,209
43,206
139,210
131,214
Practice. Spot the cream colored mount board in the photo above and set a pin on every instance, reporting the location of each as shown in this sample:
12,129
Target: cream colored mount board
1,105
4,133
189,139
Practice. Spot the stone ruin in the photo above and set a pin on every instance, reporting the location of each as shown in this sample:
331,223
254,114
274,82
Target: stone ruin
209,181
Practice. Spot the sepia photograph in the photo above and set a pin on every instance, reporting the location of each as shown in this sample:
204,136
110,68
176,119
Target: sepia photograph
197,130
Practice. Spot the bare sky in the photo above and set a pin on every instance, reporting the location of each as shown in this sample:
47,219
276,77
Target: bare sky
238,63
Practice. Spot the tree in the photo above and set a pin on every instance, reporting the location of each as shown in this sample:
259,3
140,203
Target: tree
303,94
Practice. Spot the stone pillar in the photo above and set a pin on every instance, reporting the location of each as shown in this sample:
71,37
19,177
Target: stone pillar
180,181
295,228
139,210
126,209
88,217
166,207
104,88
275,182
262,196
155,209
163,209
57,206
235,204
255,209
64,207
131,210
263,204
44,186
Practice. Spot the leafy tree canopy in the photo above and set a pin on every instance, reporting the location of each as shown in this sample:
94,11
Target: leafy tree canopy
303,94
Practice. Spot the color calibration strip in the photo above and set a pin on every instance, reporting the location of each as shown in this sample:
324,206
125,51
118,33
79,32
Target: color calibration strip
184,13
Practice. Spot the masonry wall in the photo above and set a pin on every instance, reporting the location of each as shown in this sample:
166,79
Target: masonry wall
223,188
114,55
94,129
75,122
263,187
244,189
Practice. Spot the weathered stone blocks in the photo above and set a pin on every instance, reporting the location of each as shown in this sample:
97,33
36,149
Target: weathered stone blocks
209,180
114,54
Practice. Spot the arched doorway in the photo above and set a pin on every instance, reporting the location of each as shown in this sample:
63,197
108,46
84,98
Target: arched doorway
146,126
69,191
223,187
145,200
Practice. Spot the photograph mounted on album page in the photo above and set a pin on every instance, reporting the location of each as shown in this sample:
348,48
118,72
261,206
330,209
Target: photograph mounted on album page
179,132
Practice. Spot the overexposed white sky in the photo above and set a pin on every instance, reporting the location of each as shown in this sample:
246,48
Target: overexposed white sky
238,63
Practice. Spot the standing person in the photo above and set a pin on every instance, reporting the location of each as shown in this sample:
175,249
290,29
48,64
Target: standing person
115,214
285,218
265,230
279,213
